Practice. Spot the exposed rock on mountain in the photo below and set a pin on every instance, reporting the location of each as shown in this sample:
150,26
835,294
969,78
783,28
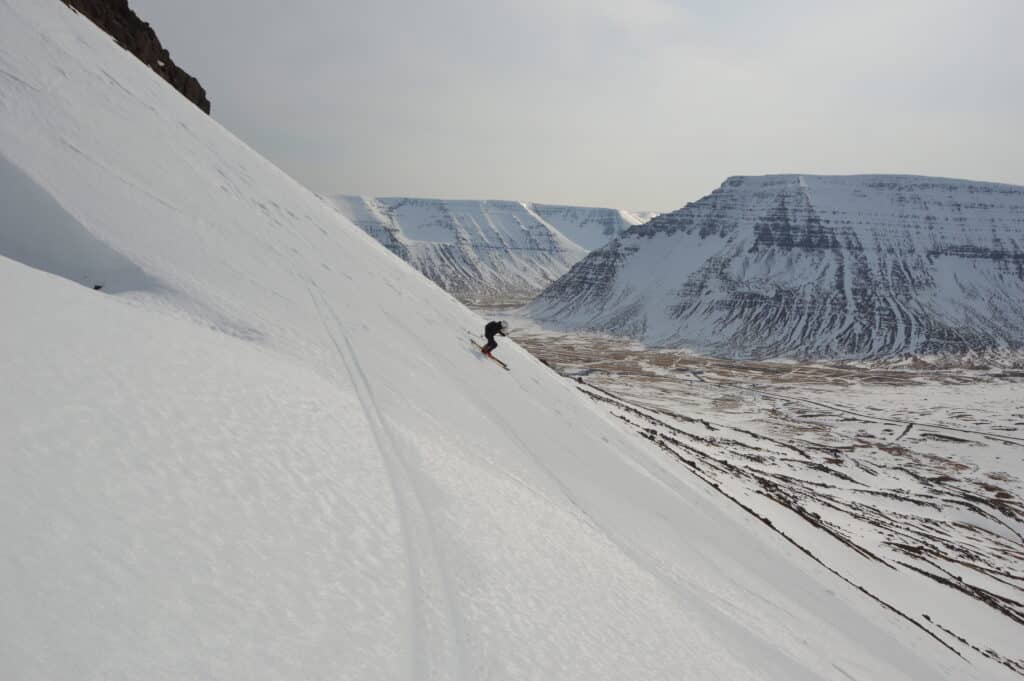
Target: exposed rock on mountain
135,35
813,267
487,251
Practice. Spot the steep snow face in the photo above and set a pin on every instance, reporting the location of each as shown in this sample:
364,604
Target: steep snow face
272,452
486,250
813,266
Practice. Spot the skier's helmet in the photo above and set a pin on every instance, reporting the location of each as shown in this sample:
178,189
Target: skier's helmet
504,326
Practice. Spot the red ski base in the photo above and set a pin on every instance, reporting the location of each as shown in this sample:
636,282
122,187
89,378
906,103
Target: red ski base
485,354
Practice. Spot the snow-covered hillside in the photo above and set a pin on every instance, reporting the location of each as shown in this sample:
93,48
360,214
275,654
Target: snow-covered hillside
265,449
813,266
487,251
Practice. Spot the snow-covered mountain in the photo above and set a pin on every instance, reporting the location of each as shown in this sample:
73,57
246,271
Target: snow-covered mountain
265,449
590,227
813,266
487,251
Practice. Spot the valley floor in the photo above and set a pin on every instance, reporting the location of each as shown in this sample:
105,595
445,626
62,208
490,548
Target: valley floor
905,483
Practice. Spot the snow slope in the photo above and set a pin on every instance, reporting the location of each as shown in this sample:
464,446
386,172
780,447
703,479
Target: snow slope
265,449
813,267
486,250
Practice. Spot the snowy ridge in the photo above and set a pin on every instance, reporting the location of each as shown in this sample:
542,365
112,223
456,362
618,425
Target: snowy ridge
590,227
486,250
815,267
265,450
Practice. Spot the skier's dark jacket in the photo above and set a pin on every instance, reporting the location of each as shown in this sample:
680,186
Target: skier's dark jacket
491,329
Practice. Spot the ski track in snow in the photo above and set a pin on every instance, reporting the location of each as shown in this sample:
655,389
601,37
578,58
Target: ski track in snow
435,623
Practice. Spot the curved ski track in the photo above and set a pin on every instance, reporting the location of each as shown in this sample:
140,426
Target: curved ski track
435,627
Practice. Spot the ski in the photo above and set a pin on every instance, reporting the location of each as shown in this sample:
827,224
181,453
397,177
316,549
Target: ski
480,348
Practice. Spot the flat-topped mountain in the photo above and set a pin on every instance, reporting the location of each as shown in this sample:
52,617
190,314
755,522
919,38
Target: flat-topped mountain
487,251
813,267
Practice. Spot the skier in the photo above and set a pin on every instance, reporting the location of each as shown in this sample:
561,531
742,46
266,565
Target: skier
493,328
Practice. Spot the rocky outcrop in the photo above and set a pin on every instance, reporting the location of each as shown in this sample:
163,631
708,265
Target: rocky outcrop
486,251
813,267
133,34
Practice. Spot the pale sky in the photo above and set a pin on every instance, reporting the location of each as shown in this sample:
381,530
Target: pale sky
645,104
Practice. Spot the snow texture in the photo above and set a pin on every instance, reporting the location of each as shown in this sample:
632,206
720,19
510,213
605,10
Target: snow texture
810,266
485,251
265,449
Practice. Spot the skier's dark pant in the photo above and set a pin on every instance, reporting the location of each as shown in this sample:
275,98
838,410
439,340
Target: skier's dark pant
491,344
